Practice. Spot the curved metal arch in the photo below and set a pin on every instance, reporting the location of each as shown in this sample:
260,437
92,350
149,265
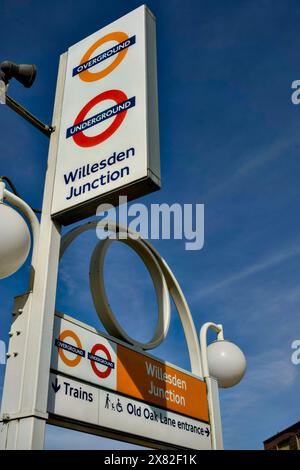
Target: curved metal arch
172,283
101,301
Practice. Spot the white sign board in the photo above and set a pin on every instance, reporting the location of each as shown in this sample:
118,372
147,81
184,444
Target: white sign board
84,354
108,135
78,401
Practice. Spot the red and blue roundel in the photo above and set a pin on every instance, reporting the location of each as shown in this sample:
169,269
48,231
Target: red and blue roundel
117,111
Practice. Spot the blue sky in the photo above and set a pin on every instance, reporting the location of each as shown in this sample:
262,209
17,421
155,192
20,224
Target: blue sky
229,139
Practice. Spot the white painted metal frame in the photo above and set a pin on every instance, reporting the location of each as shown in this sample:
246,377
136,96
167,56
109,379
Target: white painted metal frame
198,356
24,402
25,430
25,392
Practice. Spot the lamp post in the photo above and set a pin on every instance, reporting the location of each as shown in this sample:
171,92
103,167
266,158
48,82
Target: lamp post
14,234
223,365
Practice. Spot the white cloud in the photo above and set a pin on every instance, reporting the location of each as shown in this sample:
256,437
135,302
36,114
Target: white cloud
250,163
267,263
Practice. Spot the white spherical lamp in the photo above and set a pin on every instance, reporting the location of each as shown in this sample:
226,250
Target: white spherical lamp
14,240
226,363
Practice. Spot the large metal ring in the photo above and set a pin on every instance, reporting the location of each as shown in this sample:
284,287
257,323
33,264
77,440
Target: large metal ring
172,283
101,301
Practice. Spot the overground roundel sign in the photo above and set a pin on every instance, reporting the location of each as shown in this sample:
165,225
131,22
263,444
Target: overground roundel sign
69,334
89,141
88,76
105,373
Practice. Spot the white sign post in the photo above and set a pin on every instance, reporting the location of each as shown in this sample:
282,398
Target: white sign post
108,139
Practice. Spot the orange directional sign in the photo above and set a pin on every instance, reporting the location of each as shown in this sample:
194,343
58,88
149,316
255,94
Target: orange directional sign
147,379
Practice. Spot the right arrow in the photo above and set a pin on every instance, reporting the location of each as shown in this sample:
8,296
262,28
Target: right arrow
207,432
55,386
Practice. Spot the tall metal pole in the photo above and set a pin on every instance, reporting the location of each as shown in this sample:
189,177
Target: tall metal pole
25,392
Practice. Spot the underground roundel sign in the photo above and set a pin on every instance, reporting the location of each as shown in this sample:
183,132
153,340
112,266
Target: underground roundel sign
118,112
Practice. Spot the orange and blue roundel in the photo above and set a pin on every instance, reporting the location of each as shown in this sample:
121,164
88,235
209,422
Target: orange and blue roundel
88,62
79,353
118,111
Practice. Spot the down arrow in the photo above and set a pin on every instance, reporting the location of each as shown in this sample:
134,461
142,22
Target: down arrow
55,386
